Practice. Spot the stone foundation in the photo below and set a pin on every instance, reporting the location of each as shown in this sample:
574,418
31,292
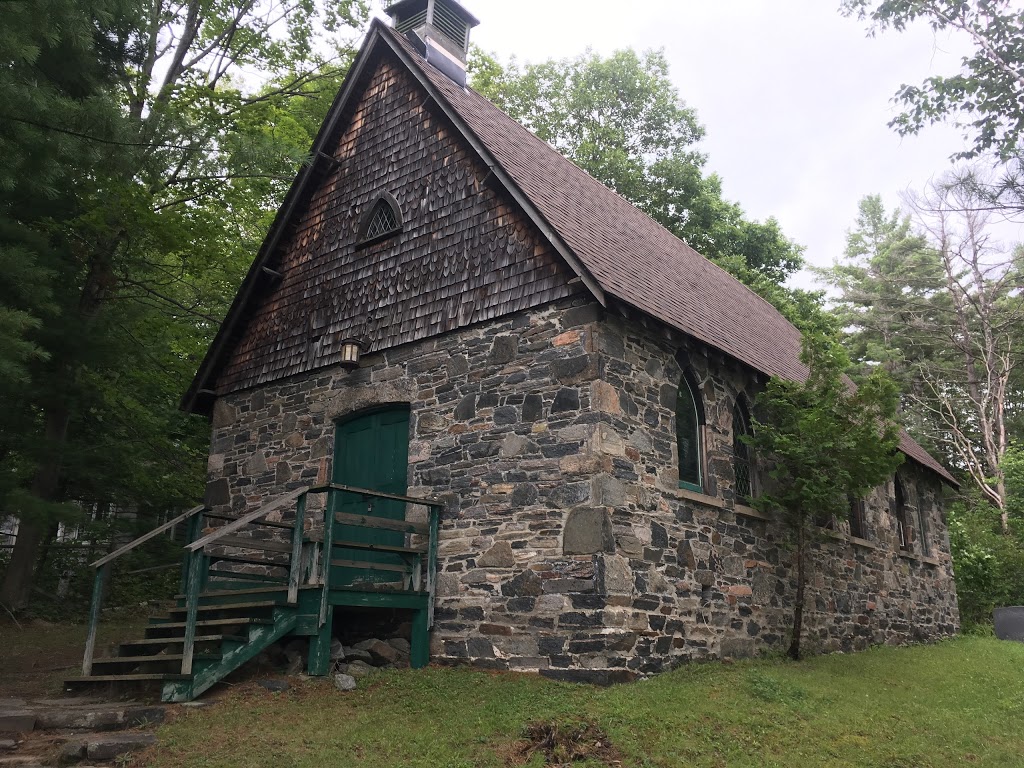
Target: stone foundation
566,545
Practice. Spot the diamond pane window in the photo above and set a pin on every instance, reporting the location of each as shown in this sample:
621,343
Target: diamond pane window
383,221
741,454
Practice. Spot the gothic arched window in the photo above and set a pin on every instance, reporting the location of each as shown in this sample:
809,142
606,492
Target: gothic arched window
904,535
383,221
689,421
743,463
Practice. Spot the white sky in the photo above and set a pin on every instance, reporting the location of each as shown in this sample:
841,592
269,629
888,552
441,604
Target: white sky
795,97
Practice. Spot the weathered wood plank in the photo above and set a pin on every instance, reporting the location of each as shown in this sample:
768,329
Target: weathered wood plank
244,520
242,542
295,564
381,547
371,566
147,536
369,521
94,616
369,493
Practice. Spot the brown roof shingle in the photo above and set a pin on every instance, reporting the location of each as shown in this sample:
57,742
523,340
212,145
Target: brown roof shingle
630,255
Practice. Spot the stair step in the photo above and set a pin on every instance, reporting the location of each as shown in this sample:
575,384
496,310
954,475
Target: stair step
280,581
156,676
246,560
152,658
179,640
241,591
372,547
214,607
233,622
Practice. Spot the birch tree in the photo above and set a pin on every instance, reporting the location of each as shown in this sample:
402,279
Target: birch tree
979,313
937,300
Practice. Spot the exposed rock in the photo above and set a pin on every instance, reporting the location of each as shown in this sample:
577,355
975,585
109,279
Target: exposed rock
526,584
616,576
588,530
401,645
498,556
113,747
337,649
344,682
17,720
358,669
514,445
381,652
351,654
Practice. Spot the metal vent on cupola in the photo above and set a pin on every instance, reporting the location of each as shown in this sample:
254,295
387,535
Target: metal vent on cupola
440,31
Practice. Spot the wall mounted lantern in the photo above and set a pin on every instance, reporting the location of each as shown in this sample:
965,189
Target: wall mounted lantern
351,348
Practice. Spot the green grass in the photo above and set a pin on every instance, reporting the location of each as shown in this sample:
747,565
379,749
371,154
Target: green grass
959,702
37,655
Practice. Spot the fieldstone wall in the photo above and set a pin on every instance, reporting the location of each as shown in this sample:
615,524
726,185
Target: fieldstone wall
567,546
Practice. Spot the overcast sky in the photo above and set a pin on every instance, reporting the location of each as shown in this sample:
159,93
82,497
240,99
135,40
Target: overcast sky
795,97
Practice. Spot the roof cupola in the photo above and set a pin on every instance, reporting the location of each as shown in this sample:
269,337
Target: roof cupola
440,31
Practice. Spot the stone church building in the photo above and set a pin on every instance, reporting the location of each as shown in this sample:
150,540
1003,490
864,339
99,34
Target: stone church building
568,377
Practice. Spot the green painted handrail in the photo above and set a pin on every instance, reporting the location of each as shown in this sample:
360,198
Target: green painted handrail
103,567
196,562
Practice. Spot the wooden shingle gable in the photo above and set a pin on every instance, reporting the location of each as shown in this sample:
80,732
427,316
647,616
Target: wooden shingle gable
466,251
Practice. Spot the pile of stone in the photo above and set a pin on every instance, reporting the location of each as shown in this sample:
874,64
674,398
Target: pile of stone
47,732
366,658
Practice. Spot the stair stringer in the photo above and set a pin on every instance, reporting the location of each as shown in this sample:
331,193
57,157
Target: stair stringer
260,637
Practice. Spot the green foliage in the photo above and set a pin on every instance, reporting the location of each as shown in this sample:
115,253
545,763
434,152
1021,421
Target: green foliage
622,121
143,150
822,439
983,98
988,564
1013,469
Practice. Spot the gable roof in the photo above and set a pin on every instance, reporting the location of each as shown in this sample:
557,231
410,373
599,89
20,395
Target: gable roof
615,248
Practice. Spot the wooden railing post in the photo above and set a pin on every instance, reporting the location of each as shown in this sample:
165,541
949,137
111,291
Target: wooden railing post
195,577
295,566
192,529
325,556
435,521
98,585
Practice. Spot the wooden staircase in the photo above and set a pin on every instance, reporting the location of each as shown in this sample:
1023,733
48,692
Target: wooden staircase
241,593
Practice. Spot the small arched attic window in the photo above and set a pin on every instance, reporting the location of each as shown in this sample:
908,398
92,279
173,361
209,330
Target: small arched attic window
383,220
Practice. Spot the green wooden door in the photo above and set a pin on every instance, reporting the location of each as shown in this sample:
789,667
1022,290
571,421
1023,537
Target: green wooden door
370,451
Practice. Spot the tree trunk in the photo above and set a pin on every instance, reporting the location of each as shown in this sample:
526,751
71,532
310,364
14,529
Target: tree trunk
17,587
798,609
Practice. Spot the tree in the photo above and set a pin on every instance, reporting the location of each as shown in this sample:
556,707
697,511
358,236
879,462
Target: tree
984,97
823,440
143,261
621,120
941,308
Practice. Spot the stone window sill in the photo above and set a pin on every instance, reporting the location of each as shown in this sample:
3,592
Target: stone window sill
743,509
859,542
700,498
927,559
